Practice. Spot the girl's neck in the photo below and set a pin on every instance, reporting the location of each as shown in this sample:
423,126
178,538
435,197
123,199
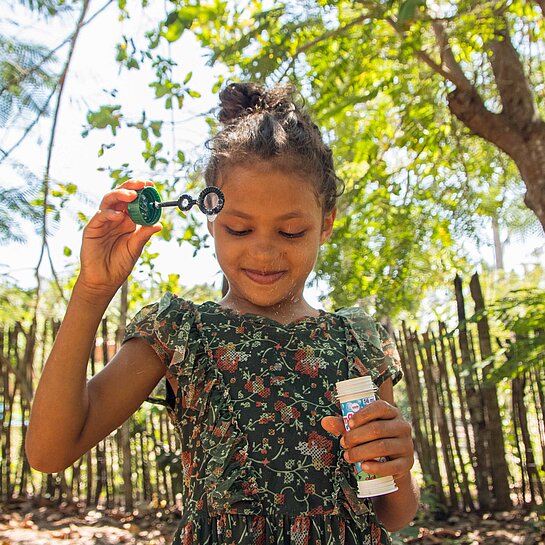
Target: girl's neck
285,313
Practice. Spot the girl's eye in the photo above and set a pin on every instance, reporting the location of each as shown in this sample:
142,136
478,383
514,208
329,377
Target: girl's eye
293,235
237,233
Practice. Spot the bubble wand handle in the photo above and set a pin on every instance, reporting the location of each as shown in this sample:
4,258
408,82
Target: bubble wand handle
147,207
165,203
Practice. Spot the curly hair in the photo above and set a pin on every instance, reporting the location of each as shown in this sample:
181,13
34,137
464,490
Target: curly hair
270,125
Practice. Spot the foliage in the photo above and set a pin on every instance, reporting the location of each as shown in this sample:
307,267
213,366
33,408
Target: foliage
514,309
417,181
16,304
27,84
521,313
48,7
25,79
16,201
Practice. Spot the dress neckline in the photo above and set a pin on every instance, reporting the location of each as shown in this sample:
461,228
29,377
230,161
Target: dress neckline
265,319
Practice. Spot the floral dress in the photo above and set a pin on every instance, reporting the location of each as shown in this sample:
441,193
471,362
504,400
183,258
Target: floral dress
257,466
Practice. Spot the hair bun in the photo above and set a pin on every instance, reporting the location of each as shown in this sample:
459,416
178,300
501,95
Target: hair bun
238,100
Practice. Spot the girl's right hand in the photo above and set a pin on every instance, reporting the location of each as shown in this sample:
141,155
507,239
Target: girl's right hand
112,242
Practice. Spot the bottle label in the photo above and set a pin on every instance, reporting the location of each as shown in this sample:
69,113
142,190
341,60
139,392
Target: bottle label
348,410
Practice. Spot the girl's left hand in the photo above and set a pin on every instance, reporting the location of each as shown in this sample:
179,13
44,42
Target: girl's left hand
376,430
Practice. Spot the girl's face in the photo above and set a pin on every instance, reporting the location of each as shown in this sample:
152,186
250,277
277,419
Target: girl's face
267,237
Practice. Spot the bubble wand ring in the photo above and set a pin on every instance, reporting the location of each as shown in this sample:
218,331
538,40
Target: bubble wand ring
147,207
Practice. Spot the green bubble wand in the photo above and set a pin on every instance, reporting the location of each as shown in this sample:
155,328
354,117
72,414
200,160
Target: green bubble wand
147,207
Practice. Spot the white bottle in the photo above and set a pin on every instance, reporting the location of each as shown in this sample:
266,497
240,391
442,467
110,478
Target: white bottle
353,395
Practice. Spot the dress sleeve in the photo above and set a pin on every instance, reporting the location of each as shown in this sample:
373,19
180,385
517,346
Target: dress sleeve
391,368
380,357
160,324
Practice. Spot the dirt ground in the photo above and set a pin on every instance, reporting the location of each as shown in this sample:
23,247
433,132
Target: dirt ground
31,523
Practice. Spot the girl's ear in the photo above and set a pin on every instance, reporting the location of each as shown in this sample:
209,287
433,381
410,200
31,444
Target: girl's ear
327,225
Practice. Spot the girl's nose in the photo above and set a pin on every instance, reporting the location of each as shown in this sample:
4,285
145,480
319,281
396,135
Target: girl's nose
263,249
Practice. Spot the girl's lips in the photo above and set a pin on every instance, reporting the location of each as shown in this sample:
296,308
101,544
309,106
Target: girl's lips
260,278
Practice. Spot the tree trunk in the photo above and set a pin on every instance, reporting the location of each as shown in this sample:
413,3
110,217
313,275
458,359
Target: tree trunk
498,246
434,387
89,500
470,446
539,402
498,463
517,129
437,487
408,364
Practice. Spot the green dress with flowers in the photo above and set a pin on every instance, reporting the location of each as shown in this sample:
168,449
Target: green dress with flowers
257,467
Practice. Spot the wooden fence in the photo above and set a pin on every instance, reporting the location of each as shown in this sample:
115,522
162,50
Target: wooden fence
139,462
480,446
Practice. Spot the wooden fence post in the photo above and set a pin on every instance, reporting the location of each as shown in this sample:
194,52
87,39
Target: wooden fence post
474,403
498,462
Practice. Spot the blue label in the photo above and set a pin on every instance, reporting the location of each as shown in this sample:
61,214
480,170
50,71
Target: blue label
348,410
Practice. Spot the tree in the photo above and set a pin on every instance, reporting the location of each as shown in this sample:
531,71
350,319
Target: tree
481,60
391,82
26,87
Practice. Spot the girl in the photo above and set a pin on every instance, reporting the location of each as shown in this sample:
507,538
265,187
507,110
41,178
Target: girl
265,455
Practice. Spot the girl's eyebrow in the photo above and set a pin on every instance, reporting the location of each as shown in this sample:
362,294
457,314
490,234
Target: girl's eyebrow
290,215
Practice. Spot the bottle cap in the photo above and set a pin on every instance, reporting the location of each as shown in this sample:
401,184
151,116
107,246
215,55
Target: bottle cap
143,209
353,386
376,487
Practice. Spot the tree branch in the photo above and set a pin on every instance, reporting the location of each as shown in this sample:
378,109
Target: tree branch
29,128
324,36
331,34
515,93
447,57
30,71
52,141
469,108
450,73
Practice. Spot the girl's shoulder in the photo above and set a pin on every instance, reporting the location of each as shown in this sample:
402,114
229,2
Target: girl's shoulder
363,325
170,306
162,317
375,341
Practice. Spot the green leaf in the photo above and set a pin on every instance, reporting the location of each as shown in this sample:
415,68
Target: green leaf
155,126
407,9
106,116
174,31
104,147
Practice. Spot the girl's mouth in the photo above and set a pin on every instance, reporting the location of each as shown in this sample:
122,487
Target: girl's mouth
263,278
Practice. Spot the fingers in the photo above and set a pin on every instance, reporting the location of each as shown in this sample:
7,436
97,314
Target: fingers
333,424
395,467
143,234
391,447
118,198
378,410
108,214
377,431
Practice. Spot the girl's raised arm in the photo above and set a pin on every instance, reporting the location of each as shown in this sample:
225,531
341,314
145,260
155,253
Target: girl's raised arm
70,415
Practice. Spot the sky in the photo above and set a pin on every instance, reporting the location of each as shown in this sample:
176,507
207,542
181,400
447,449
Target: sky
93,77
